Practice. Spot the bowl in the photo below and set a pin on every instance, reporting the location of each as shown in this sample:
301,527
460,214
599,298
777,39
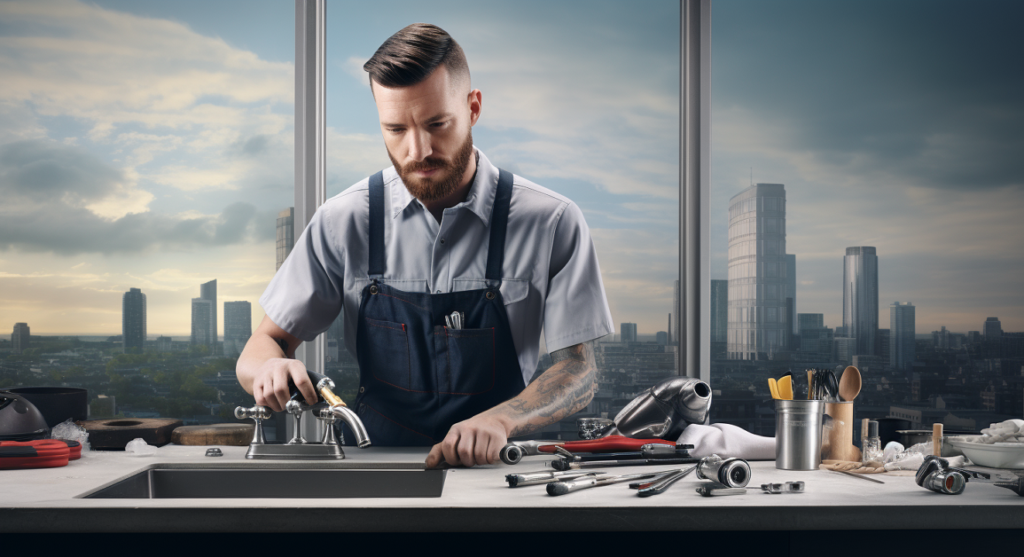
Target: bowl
996,455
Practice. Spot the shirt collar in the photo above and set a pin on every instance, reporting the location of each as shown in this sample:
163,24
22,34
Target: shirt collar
480,198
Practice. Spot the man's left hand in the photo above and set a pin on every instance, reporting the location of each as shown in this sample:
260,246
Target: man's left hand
477,440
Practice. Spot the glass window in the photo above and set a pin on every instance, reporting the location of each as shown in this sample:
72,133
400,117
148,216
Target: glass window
882,158
582,101
145,156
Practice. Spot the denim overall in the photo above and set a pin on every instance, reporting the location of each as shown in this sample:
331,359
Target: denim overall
417,376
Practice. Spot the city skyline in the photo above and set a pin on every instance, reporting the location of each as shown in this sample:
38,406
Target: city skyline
183,181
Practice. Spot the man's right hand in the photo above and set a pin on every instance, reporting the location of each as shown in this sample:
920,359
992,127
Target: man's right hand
270,386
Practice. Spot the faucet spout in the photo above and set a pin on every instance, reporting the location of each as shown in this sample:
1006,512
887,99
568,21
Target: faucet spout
354,424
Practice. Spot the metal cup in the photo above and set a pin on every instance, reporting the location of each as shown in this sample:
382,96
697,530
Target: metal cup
798,434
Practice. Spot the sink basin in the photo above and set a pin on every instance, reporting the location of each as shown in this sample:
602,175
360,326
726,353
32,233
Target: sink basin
270,481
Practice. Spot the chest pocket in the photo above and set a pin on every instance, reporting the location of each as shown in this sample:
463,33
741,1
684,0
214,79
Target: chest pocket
512,290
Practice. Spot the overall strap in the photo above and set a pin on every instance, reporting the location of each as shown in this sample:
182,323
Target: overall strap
376,269
499,222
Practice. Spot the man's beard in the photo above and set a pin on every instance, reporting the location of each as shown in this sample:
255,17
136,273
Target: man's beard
444,182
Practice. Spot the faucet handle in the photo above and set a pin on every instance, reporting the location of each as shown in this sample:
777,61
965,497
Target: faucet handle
327,416
257,414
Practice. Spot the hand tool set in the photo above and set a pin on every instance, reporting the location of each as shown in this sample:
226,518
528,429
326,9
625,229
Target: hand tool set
724,473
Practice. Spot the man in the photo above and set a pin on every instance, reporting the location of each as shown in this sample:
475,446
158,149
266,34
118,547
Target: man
447,269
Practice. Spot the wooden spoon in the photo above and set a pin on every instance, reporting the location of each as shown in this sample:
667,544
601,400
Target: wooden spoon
849,385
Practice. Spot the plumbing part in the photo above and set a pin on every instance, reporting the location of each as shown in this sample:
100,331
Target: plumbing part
713,489
514,451
323,385
545,477
585,482
730,472
214,452
664,410
661,484
950,482
788,487
657,476
257,414
296,408
329,418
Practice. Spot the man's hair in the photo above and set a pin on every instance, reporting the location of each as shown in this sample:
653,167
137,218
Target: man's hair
412,54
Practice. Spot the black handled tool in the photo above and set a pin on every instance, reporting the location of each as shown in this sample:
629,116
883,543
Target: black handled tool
662,484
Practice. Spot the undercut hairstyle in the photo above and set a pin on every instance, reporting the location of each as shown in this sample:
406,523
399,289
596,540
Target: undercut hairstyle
412,54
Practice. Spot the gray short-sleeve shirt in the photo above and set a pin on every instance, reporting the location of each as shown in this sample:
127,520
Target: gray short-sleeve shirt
550,277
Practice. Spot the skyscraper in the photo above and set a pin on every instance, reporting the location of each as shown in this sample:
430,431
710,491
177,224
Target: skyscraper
202,323
993,329
285,234
133,319
757,317
902,331
628,332
208,291
237,326
20,337
719,310
860,297
791,300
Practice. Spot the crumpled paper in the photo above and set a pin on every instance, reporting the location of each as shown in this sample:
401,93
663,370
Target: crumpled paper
68,430
139,447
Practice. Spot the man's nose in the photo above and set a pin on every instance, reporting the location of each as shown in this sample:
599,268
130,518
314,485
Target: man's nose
419,147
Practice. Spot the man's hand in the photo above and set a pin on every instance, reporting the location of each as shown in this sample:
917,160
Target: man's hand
270,386
564,389
477,440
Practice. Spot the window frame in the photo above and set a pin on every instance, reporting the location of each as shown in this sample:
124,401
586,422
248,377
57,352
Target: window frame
694,310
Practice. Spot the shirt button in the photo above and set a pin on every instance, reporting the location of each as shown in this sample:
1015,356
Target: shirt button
438,292
442,240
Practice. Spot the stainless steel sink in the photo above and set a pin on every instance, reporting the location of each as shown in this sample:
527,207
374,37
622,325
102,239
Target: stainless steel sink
272,480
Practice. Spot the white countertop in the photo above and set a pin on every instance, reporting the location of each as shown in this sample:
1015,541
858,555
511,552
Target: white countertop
479,499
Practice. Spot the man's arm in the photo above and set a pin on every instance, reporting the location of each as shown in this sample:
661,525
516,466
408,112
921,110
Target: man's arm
264,367
564,389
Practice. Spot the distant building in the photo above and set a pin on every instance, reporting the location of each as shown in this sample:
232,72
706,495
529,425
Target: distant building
285,234
845,348
208,291
20,337
202,323
993,329
757,317
133,319
628,332
860,297
815,339
884,345
237,327
791,300
164,344
662,337
902,331
719,310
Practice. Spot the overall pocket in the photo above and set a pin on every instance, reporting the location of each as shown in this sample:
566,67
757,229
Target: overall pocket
468,363
387,353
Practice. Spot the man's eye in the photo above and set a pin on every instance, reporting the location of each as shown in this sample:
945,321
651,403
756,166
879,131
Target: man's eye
438,124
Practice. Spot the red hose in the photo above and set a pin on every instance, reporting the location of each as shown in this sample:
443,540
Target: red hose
42,453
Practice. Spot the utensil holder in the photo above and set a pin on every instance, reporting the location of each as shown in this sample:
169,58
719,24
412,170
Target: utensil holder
837,444
798,434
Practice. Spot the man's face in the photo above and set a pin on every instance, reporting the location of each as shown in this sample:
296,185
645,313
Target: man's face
426,130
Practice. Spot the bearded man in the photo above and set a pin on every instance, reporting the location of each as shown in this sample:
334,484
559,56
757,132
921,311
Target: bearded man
447,269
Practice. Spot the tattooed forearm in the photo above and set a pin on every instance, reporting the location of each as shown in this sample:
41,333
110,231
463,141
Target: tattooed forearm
564,389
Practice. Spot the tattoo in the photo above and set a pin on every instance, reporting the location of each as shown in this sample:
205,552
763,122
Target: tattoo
564,389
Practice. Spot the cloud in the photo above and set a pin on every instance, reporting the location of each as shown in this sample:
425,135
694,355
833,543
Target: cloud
46,171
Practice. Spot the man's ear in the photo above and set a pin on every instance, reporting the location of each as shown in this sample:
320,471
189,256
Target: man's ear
475,102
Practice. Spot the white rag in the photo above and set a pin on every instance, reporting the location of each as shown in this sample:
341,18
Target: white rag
727,440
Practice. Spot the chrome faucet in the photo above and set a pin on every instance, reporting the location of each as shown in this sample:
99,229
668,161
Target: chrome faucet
298,447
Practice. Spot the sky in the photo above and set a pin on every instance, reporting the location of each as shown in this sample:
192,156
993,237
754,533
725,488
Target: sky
149,144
